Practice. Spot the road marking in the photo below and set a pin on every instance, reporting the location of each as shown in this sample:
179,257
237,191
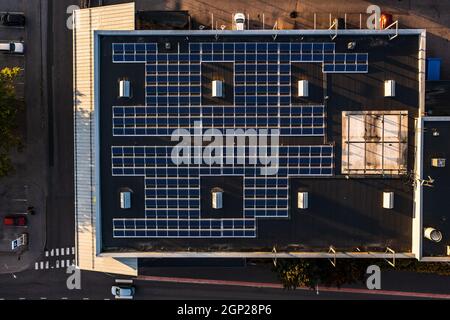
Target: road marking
67,251
21,298
57,264
46,253
67,262
51,253
46,264
2,298
62,263
42,265
73,250
36,265
85,298
43,298
107,299
57,252
62,251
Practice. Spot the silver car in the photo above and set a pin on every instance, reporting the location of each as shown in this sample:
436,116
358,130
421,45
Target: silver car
122,292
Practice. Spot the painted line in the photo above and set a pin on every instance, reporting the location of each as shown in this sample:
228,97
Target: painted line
85,298
67,251
62,251
2,299
62,263
73,250
64,298
46,253
57,252
46,264
52,252
67,262
43,298
279,286
57,264
107,299
36,265
22,298
42,265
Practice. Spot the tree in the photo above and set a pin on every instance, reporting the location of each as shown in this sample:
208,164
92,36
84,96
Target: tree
9,108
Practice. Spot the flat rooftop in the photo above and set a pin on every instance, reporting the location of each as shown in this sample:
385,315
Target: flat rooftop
436,195
171,76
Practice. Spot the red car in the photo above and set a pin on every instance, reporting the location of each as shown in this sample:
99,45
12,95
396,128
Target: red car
19,221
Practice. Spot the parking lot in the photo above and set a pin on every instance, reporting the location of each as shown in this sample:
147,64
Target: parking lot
25,185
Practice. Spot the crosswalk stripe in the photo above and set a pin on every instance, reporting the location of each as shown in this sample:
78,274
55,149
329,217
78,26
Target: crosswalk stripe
42,265
73,250
46,253
36,265
67,262
52,252
62,263
57,252
46,264
67,251
57,263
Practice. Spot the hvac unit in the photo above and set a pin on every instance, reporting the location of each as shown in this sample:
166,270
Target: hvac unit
302,197
432,234
217,197
124,89
389,88
303,88
217,88
388,200
438,162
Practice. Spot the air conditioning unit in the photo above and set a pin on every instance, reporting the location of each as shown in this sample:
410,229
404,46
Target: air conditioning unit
302,198
217,197
125,199
217,88
388,200
303,88
389,88
438,162
124,89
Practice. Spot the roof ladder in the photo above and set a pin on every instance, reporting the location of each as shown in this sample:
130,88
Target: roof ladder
391,26
332,251
391,251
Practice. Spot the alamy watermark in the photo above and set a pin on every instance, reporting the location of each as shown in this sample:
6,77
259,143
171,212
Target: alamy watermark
258,147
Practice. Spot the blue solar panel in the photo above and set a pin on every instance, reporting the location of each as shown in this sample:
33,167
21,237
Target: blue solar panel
262,99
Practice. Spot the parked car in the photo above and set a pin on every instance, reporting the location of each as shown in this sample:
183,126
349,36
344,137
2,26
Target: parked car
12,19
122,292
239,21
19,221
12,47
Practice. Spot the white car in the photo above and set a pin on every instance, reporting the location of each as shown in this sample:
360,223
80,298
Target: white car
122,292
12,47
239,21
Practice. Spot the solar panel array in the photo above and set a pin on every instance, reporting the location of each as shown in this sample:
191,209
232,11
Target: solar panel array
262,100
172,191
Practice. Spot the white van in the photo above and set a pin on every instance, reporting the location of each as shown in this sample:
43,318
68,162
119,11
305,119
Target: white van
12,47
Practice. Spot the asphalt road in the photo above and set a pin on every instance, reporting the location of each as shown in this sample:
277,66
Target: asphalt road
51,285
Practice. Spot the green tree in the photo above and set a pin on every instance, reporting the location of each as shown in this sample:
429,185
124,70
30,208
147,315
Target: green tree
10,105
295,273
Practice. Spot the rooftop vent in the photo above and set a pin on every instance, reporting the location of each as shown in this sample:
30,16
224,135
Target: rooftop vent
432,234
124,89
388,200
217,88
217,198
389,88
302,200
303,88
125,199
